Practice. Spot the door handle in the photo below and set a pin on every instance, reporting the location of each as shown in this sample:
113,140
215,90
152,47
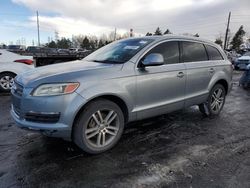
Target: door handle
180,74
211,70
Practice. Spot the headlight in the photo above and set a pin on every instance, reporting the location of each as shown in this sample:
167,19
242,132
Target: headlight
55,89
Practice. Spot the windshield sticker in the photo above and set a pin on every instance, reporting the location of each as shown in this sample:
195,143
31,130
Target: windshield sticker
131,47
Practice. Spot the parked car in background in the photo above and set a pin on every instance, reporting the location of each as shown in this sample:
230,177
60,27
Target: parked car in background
12,64
50,50
242,62
79,51
89,101
232,56
34,49
63,51
245,78
3,46
16,48
75,50
83,52
37,50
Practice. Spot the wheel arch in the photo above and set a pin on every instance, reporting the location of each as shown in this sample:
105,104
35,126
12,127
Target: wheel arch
224,83
11,72
223,78
117,100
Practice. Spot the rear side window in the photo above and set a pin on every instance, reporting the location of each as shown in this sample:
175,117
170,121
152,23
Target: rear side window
169,50
193,51
213,53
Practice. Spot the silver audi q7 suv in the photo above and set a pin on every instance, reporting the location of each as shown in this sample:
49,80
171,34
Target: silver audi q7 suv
89,101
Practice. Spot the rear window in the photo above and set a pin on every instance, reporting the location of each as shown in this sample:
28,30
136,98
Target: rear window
213,53
193,51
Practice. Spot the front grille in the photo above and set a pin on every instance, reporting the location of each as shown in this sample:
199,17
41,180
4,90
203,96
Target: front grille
18,89
42,117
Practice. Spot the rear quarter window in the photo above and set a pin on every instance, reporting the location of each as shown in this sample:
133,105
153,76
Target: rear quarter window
193,51
213,53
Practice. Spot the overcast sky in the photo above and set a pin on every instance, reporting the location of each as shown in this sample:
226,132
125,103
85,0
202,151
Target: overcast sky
88,17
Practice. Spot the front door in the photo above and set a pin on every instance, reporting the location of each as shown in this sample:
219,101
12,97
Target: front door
161,89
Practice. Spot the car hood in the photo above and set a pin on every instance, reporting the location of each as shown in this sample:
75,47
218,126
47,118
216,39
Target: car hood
244,58
62,72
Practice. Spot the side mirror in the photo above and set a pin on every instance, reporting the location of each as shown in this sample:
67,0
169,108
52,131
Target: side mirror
154,59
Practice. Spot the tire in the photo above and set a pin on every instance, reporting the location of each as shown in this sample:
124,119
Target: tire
215,101
99,126
6,81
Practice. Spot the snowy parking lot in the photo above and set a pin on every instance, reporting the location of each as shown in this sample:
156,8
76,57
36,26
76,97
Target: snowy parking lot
181,149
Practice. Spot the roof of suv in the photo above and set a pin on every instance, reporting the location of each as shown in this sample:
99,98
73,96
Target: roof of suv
160,38
171,36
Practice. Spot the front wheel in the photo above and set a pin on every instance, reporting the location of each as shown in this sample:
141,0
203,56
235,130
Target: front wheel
6,81
215,102
99,126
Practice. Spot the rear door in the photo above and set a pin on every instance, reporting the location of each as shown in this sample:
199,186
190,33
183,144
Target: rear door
199,70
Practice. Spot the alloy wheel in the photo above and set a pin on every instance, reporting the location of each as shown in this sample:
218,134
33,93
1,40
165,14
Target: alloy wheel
6,82
217,100
102,128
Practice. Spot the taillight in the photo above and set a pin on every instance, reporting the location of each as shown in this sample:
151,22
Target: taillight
25,61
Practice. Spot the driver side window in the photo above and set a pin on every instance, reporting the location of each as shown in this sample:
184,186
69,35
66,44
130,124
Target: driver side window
169,50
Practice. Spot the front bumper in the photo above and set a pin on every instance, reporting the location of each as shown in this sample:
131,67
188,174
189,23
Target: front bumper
65,105
49,129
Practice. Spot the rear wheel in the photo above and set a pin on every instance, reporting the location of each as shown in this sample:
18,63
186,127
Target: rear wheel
215,102
99,126
6,81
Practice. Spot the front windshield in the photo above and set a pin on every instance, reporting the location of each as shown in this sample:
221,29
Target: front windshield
118,52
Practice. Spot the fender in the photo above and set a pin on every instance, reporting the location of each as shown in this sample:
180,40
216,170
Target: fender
16,68
124,89
219,75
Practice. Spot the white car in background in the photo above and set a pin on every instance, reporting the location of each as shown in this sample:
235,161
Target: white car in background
12,64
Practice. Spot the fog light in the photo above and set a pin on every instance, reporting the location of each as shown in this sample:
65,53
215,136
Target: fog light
43,117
